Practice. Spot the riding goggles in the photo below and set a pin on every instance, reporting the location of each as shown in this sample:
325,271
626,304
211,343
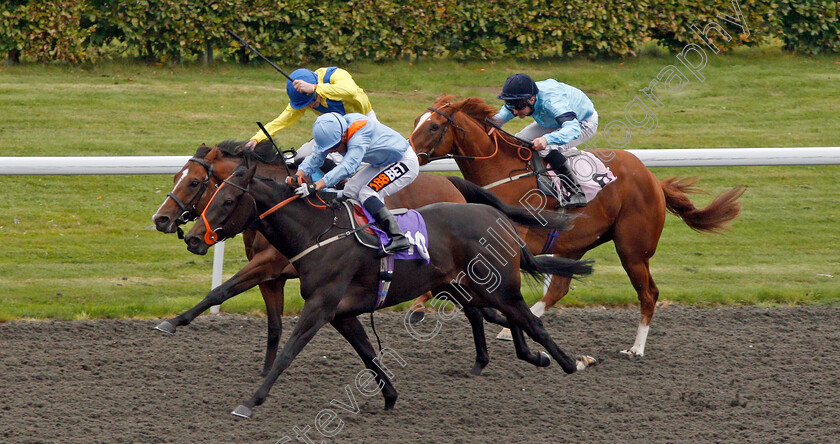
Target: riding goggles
516,105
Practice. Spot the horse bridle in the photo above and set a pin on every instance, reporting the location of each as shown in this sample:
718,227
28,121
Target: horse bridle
211,236
450,121
188,210
493,133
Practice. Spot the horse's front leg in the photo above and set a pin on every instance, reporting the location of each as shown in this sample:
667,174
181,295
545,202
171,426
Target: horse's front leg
354,333
255,271
273,295
317,311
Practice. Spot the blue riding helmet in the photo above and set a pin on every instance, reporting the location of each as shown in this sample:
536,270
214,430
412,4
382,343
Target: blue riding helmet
297,99
328,130
517,87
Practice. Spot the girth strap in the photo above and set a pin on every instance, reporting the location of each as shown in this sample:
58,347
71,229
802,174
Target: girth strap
386,275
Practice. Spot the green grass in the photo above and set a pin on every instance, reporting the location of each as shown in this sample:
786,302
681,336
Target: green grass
79,247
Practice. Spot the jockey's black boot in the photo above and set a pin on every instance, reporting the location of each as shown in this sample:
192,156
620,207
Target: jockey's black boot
558,164
385,220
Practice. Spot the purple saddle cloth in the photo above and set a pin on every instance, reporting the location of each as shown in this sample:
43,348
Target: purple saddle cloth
414,227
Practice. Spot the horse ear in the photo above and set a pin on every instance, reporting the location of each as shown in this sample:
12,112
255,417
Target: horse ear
252,168
213,154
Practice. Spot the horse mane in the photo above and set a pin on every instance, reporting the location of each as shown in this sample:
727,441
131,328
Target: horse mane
263,151
474,107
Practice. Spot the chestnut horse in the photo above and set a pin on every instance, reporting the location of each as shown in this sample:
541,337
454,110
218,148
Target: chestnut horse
630,211
266,266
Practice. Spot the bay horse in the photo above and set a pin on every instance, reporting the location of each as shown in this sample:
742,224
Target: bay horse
339,278
630,211
266,267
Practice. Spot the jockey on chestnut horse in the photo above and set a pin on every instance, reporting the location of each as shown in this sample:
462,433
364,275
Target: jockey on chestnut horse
630,211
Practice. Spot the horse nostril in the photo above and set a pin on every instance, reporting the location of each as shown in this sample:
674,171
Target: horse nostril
161,220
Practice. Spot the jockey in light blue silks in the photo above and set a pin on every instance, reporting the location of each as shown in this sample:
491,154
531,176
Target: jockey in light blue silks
564,117
391,165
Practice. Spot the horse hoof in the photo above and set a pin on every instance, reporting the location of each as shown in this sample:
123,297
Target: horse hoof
586,361
476,370
416,317
632,353
504,335
242,412
389,403
166,327
545,359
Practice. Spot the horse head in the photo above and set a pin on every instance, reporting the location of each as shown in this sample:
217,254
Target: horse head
192,188
197,181
449,129
230,210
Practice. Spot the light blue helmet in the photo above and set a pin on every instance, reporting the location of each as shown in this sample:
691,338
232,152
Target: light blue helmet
328,130
297,99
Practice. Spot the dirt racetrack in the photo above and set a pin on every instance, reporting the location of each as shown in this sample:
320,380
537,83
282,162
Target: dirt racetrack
742,374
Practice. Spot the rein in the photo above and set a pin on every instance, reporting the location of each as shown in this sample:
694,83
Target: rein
211,236
318,244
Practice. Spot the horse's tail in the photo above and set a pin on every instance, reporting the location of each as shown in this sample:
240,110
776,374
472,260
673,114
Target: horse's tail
554,265
475,194
713,218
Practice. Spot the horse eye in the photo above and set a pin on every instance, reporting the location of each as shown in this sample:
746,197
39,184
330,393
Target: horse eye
194,183
435,126
228,202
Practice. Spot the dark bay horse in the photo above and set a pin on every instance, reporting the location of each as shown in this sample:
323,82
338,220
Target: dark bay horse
630,211
339,278
266,267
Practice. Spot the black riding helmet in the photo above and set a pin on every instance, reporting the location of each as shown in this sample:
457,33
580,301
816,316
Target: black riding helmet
517,92
517,87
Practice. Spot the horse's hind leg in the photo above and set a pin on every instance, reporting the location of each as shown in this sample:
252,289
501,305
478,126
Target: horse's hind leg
518,314
639,273
635,250
351,329
522,350
494,316
477,323
558,288
418,308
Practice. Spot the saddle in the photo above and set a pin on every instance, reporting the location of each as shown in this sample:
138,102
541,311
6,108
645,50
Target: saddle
368,238
549,184
358,218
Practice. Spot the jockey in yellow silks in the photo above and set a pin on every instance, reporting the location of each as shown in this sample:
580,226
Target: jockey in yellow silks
325,90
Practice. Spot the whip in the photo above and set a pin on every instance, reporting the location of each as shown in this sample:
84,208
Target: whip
254,50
